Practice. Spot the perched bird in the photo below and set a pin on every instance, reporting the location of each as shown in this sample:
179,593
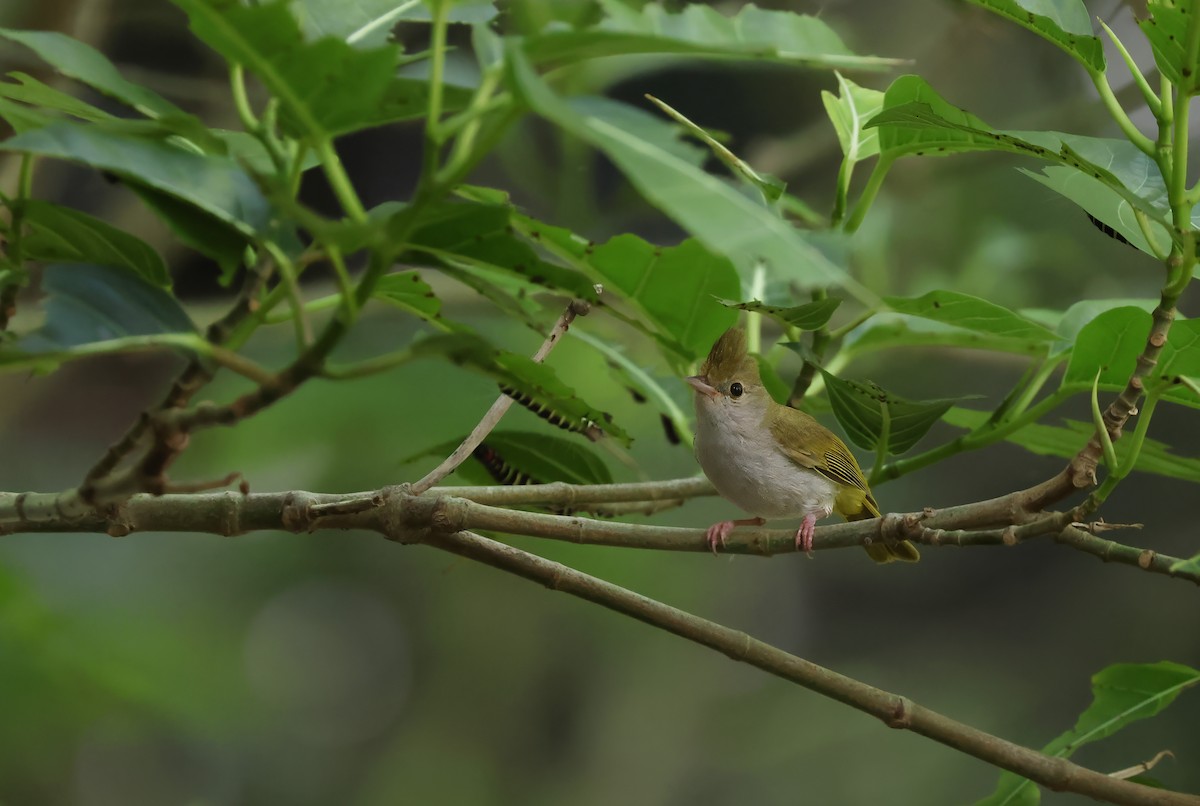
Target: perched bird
772,460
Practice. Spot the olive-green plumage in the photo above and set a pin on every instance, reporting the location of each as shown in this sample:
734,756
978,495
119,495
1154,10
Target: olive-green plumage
773,460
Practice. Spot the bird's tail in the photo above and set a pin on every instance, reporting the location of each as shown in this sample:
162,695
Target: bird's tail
883,552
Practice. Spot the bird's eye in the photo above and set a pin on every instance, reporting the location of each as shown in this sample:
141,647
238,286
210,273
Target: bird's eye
735,389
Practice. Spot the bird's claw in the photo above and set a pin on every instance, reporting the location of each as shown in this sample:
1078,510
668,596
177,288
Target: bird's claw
804,535
717,533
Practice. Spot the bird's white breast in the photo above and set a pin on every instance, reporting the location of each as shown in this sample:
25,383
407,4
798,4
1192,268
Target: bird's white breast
738,453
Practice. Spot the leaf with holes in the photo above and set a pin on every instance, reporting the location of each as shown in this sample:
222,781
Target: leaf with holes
866,411
1121,694
1167,31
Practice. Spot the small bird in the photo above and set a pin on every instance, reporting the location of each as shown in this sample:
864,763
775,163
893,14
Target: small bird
772,460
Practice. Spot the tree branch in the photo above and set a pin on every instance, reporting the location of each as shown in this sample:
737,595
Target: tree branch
893,710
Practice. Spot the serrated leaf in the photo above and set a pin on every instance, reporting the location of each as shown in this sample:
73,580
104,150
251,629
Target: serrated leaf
1067,440
88,303
215,185
699,30
537,381
60,234
1121,694
809,316
369,23
1065,23
84,63
724,220
529,457
861,408
971,313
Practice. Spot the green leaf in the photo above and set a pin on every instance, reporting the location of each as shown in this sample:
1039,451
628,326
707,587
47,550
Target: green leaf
1102,203
60,234
809,316
699,30
1067,324
887,331
1066,440
369,23
88,303
528,378
1065,23
206,233
213,184
1110,344
849,112
326,87
1121,694
527,457
1166,29
770,187
28,90
971,313
408,291
862,406
23,118
84,63
1191,566
721,218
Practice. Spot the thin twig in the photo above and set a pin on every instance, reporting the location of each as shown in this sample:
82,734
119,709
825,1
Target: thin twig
492,417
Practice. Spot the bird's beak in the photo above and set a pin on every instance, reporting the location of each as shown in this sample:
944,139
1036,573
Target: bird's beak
701,385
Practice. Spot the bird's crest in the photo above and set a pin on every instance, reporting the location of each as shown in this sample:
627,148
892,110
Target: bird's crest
729,360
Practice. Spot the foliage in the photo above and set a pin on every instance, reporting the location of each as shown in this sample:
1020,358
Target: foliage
303,74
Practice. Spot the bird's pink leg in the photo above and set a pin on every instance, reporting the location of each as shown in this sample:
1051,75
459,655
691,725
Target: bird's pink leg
804,536
717,533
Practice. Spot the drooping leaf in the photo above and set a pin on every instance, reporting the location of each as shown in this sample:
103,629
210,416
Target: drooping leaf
971,313
865,409
700,30
1121,694
28,90
208,234
809,316
60,234
89,303
369,23
1067,440
721,218
215,185
526,378
84,63
1065,23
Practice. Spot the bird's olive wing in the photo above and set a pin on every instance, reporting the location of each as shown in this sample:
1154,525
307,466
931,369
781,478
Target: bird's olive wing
813,446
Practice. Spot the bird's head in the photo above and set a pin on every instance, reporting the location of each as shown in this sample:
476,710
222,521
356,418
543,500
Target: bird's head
729,376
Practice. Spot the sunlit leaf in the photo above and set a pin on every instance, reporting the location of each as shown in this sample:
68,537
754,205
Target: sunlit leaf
849,111
1110,344
970,313
1121,694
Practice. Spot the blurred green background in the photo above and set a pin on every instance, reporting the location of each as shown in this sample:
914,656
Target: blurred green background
339,668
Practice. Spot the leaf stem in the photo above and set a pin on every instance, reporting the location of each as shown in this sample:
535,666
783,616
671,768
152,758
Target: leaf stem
1152,100
874,183
339,181
1117,112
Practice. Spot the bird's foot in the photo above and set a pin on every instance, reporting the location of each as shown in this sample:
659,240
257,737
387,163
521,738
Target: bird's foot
804,535
717,533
